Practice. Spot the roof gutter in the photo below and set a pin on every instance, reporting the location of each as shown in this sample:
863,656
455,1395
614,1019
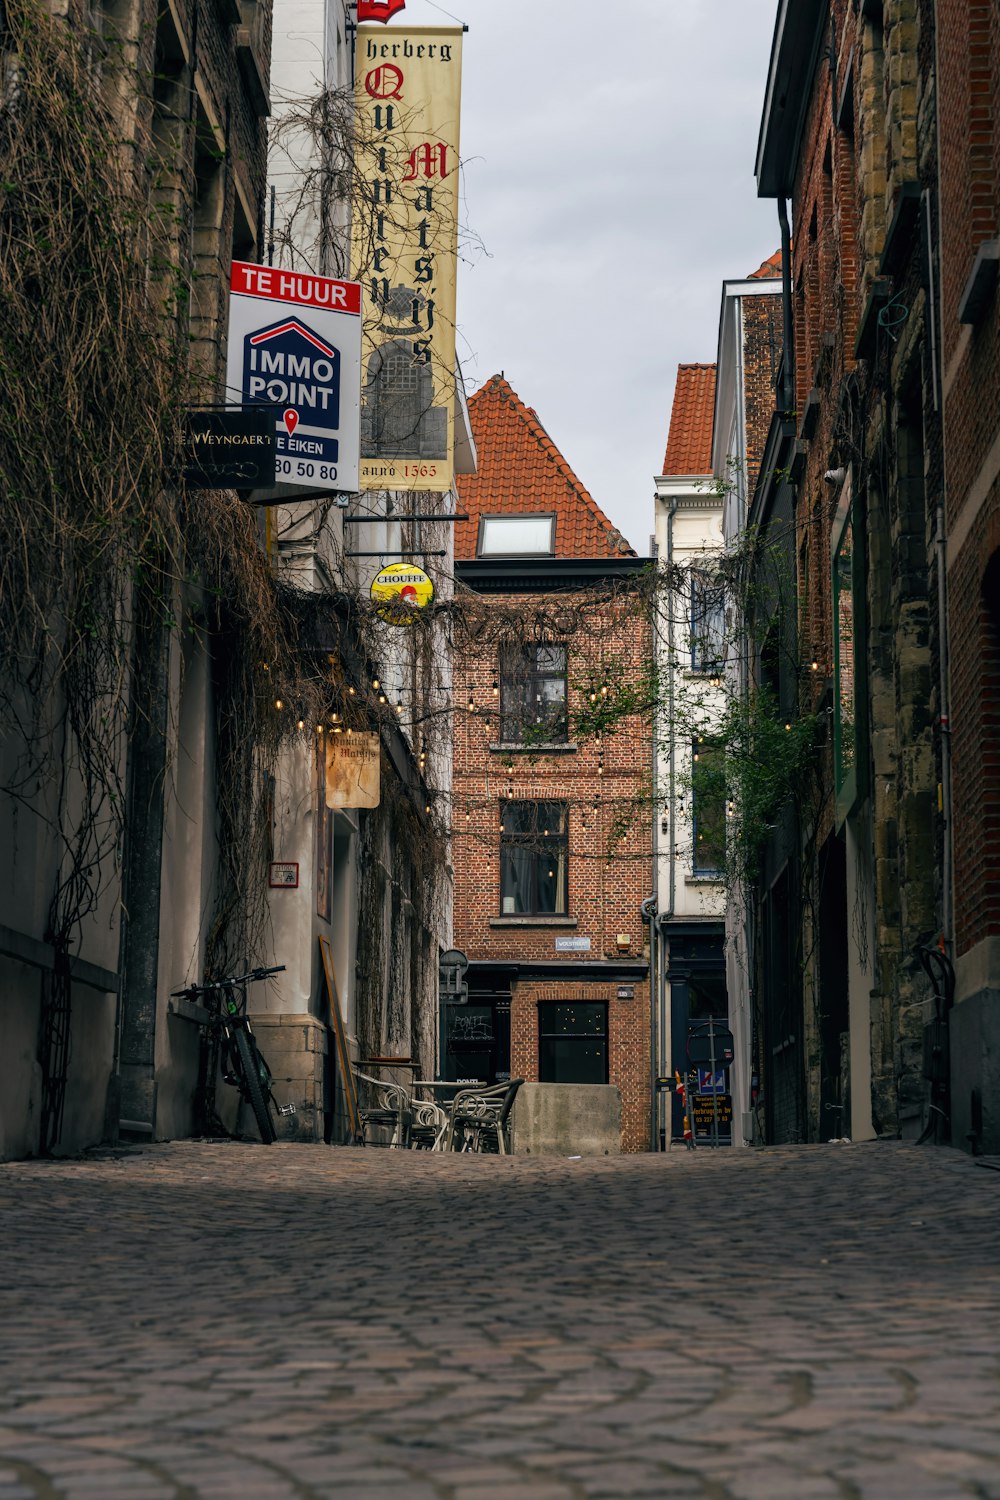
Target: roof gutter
788,353
799,37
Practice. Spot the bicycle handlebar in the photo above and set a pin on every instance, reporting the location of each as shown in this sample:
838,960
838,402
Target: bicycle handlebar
221,984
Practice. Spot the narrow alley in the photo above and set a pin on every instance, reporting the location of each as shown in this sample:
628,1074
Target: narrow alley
217,1319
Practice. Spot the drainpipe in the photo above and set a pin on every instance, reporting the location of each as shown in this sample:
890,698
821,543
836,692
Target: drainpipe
671,771
947,889
936,320
649,908
664,1036
788,351
941,568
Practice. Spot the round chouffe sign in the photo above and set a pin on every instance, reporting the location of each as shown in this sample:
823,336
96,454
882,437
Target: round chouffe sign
401,590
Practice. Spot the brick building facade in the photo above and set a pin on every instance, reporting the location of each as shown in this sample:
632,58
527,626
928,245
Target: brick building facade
551,822
968,86
880,126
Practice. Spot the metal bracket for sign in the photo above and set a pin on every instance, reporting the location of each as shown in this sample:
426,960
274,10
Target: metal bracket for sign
399,552
377,520
351,28
303,495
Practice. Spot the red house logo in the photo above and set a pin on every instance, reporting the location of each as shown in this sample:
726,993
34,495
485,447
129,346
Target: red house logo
378,10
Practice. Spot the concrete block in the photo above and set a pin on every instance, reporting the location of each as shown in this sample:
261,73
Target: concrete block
974,1025
567,1119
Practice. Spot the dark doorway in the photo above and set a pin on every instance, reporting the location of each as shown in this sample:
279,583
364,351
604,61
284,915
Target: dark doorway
784,1084
834,1015
696,974
477,1040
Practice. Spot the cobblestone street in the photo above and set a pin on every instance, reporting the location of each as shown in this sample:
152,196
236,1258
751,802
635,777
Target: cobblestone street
203,1320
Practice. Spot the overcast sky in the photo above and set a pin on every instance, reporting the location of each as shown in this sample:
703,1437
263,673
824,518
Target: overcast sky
609,150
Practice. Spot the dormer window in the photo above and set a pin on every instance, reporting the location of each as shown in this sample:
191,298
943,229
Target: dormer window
517,536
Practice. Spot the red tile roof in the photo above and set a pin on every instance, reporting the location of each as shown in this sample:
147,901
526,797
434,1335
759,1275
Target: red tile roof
771,267
521,472
689,444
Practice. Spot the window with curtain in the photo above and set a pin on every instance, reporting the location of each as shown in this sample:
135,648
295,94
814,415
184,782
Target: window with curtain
533,694
533,857
708,800
708,622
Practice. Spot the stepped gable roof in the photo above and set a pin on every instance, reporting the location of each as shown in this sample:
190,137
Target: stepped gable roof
521,472
689,444
771,267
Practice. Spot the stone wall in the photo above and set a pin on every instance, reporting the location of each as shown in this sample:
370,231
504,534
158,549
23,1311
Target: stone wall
867,427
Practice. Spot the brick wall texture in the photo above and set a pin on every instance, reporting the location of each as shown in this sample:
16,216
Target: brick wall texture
969,101
762,336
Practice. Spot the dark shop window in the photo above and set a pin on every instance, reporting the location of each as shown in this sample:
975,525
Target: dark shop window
573,1043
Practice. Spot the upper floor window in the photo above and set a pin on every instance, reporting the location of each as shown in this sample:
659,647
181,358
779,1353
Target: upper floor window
533,694
533,856
517,536
708,797
708,622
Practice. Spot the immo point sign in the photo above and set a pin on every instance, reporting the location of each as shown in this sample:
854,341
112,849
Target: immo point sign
295,343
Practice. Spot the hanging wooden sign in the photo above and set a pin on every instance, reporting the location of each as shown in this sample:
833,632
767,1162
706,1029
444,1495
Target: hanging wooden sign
353,770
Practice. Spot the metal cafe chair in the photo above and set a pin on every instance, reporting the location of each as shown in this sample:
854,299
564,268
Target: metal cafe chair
479,1118
392,1107
388,1107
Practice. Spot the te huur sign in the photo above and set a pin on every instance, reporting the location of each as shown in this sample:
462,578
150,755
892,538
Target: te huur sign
230,450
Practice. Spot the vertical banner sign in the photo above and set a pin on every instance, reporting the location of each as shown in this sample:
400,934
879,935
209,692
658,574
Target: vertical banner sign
295,344
405,251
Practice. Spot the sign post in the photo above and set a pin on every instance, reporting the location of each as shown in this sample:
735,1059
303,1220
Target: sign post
711,1044
229,449
295,344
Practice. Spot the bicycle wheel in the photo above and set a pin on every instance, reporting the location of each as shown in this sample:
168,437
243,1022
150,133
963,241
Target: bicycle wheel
246,1050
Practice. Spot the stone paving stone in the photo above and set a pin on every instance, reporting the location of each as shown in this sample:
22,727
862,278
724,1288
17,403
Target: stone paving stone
554,1330
520,1489
413,1491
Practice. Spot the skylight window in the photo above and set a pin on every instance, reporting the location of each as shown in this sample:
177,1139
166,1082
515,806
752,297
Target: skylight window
517,536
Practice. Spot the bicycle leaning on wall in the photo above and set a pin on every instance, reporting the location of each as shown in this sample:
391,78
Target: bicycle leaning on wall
242,1062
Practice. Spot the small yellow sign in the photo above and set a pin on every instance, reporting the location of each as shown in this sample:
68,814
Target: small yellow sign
401,590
